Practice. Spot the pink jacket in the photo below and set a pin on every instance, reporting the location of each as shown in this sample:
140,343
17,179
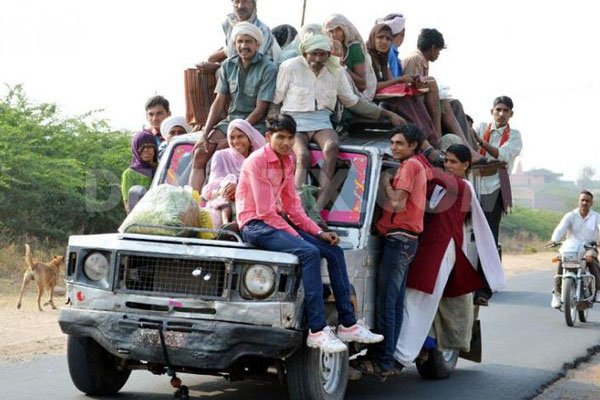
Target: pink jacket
264,191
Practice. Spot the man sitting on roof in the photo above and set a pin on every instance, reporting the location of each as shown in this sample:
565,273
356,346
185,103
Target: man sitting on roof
429,45
308,87
243,11
247,80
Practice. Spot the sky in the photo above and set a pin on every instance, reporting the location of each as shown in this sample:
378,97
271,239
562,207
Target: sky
113,55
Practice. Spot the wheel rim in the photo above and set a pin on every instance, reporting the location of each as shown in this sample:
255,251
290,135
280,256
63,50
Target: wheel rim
331,365
573,308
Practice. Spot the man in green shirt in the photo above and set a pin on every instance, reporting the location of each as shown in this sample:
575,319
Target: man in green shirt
247,81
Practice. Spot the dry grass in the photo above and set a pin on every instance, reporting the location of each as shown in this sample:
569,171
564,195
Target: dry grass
12,258
522,243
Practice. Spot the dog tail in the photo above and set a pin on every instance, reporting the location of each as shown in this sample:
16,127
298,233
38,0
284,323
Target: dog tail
28,256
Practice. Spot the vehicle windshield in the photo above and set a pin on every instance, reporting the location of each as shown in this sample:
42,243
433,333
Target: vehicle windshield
347,203
180,164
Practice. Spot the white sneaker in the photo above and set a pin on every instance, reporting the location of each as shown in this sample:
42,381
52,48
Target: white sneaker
325,340
358,333
556,302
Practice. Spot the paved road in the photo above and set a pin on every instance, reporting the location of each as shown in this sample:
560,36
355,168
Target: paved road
526,345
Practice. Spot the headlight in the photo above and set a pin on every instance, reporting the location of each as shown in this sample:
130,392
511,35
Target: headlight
95,266
570,257
259,281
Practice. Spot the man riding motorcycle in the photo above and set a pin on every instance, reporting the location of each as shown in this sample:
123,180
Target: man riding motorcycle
583,225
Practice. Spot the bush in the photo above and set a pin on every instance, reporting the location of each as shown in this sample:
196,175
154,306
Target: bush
526,229
58,175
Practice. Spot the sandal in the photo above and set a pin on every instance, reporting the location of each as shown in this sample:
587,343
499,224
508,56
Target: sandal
370,367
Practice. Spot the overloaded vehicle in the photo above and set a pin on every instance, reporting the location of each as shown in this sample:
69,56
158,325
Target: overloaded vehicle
171,303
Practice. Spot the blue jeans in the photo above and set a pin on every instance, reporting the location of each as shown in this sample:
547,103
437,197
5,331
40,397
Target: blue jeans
309,250
398,252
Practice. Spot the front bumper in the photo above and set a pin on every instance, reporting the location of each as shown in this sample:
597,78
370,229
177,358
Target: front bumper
199,344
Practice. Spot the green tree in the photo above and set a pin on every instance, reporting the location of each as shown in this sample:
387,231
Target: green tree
58,175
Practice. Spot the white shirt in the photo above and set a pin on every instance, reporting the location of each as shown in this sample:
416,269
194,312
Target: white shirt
300,90
576,227
507,153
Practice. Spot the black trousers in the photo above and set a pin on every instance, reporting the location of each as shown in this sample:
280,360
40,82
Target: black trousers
492,208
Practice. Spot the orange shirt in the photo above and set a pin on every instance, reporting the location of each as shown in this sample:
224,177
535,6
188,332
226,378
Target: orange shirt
411,177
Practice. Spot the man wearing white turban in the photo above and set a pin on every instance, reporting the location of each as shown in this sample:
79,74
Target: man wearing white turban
247,83
245,11
172,126
308,88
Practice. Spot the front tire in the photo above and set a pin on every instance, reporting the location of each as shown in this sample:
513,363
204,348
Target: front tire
569,293
439,364
93,370
315,375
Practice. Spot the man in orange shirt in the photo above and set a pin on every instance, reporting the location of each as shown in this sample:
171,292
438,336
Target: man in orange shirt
400,224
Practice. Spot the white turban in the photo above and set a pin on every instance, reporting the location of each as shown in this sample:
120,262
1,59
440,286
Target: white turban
170,122
246,28
310,43
397,23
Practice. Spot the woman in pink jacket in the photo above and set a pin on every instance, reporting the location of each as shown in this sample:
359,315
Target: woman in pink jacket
225,169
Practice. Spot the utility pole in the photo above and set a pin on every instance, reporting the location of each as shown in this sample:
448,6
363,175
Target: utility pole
303,13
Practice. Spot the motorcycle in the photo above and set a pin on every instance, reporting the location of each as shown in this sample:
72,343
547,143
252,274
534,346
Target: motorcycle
578,286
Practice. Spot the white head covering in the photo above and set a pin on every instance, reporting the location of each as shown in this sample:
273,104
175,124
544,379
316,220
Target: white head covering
395,21
170,122
312,42
247,28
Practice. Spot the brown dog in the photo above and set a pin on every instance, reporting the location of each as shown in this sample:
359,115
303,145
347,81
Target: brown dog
45,276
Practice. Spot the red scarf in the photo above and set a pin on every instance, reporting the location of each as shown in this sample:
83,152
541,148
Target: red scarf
487,133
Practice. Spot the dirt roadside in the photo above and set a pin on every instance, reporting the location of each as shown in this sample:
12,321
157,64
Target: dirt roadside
28,333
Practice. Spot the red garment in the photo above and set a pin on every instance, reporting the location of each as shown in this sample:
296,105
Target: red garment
411,177
488,132
443,223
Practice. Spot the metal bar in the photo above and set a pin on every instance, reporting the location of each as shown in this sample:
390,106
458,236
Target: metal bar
188,228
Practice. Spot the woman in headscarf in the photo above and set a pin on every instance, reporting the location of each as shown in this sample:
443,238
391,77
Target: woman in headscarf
408,107
443,275
144,158
225,168
353,55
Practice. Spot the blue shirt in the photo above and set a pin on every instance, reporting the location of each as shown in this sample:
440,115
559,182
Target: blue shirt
394,63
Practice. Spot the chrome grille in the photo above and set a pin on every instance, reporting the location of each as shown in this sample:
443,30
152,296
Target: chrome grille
171,276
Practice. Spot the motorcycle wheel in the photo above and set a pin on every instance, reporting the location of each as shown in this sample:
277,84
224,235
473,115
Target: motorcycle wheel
583,315
570,303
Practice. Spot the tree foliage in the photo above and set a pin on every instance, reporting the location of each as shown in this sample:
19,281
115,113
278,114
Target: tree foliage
58,175
539,223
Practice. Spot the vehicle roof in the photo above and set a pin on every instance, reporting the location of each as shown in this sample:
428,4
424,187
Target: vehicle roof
361,137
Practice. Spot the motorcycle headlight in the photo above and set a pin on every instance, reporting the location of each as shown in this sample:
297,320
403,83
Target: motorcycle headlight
95,266
259,281
570,257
